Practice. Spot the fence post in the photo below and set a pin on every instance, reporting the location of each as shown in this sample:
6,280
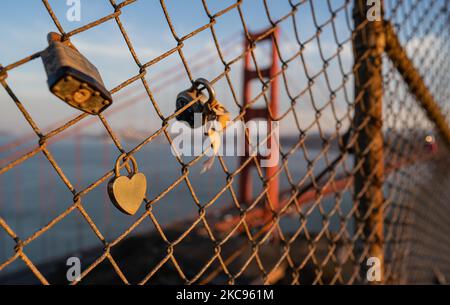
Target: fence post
368,45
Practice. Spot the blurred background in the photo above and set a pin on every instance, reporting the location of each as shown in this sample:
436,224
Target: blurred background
315,42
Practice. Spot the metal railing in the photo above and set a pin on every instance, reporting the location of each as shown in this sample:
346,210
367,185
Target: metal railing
375,185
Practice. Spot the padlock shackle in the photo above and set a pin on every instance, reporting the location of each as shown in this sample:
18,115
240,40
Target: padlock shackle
122,157
208,86
53,37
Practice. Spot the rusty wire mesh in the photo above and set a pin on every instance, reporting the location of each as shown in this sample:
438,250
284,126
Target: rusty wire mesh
316,235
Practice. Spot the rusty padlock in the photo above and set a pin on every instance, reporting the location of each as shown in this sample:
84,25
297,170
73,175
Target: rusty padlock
187,96
73,78
3,73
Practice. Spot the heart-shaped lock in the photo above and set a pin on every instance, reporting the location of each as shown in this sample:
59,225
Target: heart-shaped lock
127,192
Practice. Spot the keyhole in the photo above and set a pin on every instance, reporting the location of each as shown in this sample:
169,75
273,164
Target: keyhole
81,95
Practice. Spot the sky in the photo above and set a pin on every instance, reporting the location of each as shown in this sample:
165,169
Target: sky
25,24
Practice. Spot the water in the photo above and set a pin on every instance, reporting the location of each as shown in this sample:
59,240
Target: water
32,194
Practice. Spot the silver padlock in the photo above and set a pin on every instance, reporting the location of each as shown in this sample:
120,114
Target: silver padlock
73,78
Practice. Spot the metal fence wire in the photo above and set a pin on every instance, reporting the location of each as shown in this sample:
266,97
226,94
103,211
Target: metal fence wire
376,185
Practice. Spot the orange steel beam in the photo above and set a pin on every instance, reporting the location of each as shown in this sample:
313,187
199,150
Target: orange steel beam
258,216
245,183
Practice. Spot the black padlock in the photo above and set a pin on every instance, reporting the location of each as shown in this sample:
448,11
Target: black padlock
73,78
187,96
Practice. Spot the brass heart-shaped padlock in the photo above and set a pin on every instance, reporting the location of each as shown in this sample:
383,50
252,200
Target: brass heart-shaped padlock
127,192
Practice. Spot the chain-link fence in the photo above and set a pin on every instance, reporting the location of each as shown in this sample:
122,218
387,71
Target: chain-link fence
363,171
